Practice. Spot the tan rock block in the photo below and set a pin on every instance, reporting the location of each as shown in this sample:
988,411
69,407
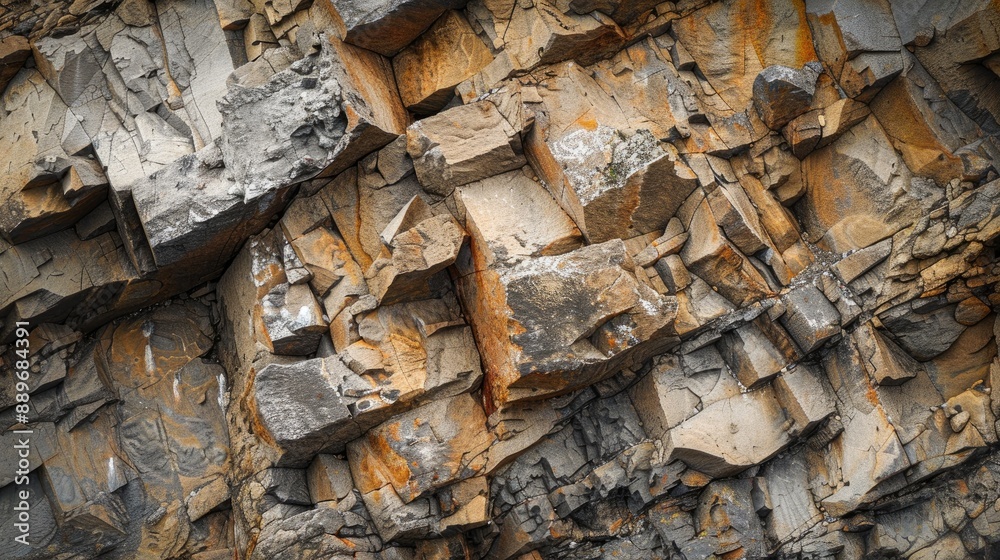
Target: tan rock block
446,55
14,50
971,311
513,217
716,260
417,254
329,479
386,26
731,435
868,451
844,211
258,37
607,321
860,46
422,450
806,397
445,158
544,32
732,42
757,351
615,182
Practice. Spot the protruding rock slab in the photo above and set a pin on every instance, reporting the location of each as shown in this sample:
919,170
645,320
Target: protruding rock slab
718,261
614,181
805,394
545,32
14,50
424,449
858,42
321,114
429,70
757,351
818,128
417,254
588,301
810,318
868,450
329,479
513,217
302,408
386,26
781,94
462,145
732,435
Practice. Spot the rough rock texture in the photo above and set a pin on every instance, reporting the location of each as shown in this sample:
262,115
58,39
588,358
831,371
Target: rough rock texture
500,279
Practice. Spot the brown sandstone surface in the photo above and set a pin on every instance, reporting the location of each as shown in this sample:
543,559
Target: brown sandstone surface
501,279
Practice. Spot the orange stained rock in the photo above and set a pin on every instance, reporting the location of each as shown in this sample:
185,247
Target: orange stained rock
492,334
588,122
734,554
762,14
382,464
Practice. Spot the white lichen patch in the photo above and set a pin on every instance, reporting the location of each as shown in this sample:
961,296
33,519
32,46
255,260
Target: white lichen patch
599,161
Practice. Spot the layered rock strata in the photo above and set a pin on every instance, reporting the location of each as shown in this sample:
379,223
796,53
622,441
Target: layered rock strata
499,279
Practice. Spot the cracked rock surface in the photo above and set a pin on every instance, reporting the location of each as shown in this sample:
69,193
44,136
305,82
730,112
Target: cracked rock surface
501,279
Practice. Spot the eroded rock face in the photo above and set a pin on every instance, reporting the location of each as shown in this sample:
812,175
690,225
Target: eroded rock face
415,279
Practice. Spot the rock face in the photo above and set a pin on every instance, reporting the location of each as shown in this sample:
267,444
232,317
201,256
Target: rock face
499,279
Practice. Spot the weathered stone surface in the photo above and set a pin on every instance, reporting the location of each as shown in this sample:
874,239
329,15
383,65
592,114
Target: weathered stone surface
417,254
363,201
717,260
301,406
351,113
780,93
190,209
292,320
446,55
866,425
842,211
532,225
960,34
820,127
386,26
545,32
14,50
858,43
739,531
810,318
757,351
500,279
731,435
613,181
422,450
32,201
166,437
329,479
462,145
806,397
929,130
609,320
732,42
622,12
677,387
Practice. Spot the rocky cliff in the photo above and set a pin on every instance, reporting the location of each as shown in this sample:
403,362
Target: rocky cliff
500,279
